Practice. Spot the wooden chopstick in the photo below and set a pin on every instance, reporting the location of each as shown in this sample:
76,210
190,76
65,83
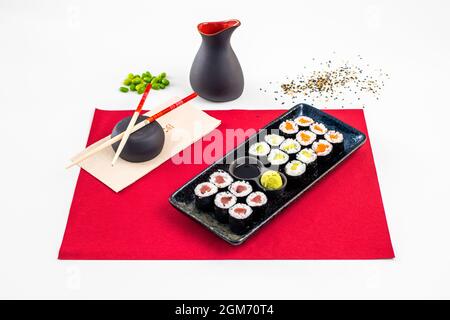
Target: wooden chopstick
140,125
131,124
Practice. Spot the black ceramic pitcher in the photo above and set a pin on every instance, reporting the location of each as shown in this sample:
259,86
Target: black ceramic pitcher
216,74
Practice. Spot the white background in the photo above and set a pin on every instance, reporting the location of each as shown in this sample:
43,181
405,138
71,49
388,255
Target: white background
61,59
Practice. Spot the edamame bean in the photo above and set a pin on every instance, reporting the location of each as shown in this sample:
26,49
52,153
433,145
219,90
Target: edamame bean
123,89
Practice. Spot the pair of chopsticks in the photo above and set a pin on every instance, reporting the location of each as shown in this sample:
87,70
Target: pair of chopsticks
133,128
130,126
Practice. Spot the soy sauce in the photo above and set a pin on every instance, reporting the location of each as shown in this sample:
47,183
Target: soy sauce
247,171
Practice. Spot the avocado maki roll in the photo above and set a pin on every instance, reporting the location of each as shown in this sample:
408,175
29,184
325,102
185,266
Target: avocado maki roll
222,202
274,140
260,150
294,169
204,195
291,147
277,157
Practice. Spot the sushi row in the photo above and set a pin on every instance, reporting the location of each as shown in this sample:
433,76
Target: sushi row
297,149
232,202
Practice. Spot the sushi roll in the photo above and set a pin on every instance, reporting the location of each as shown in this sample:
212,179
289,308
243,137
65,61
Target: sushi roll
260,150
277,157
318,129
303,122
323,149
204,195
222,203
240,189
291,147
305,138
239,217
258,202
308,157
220,179
274,140
336,139
294,169
289,128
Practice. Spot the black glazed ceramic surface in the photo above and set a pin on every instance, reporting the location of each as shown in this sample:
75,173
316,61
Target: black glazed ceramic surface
183,199
216,73
142,145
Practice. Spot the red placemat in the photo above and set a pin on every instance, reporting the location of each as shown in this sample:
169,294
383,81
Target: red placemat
341,217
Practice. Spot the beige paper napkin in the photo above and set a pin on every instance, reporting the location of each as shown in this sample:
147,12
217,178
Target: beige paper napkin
183,126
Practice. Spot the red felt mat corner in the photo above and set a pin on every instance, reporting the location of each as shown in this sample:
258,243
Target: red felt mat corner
341,217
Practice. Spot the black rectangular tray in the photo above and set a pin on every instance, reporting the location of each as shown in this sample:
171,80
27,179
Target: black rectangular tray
184,199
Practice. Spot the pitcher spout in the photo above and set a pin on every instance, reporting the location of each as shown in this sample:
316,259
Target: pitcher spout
210,29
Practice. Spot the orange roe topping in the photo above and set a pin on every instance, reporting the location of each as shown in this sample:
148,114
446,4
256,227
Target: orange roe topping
318,128
333,136
305,137
303,120
321,147
289,126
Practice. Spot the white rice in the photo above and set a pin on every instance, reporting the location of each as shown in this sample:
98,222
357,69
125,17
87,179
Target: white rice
290,146
255,194
213,189
287,131
239,216
277,157
244,193
301,124
259,149
220,195
300,168
312,137
274,139
327,150
228,179
307,156
338,139
321,126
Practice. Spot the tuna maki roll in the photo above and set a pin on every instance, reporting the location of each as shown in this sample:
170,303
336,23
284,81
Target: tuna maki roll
304,122
294,169
274,140
305,138
204,195
239,217
257,201
220,179
323,149
289,128
318,129
277,157
336,139
290,146
222,202
260,150
240,189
